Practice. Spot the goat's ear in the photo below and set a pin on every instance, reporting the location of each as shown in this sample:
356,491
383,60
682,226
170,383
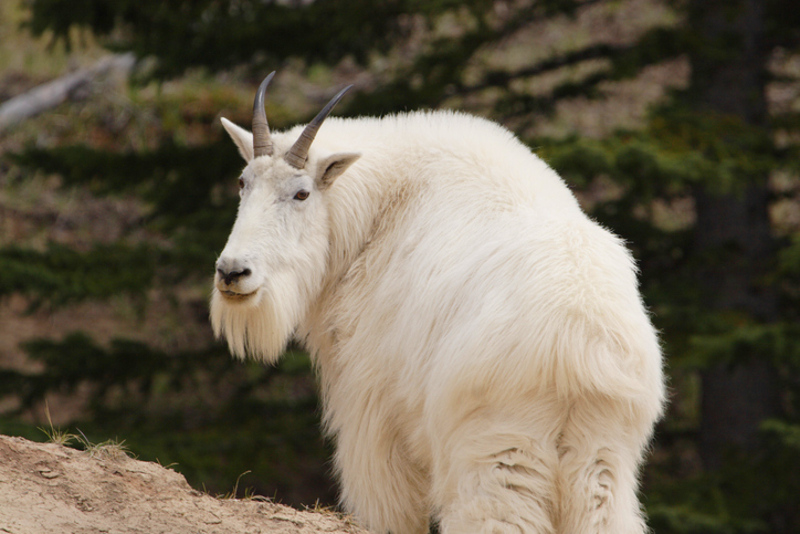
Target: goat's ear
241,137
331,167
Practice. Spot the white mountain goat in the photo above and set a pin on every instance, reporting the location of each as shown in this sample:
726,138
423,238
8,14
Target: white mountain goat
484,355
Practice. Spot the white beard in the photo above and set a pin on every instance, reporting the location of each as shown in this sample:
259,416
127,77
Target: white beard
262,326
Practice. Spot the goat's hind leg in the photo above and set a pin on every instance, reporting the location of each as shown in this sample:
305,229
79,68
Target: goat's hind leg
496,474
510,491
600,451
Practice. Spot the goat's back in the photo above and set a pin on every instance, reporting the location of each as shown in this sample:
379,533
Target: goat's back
480,267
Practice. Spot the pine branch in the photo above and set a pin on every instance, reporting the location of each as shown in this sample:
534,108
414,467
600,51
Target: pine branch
627,60
498,78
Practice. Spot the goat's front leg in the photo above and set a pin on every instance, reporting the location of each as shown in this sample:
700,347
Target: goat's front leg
380,485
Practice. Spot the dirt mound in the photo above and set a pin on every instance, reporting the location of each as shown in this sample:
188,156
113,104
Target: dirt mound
48,488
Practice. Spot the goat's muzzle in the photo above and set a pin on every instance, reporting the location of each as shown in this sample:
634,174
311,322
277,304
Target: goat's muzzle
232,275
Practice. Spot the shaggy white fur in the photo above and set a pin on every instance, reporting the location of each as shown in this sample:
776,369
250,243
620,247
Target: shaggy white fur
484,354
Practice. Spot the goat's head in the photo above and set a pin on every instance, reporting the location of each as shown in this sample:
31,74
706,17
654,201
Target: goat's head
274,261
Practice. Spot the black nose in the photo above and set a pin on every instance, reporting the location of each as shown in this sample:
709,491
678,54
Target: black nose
232,270
233,276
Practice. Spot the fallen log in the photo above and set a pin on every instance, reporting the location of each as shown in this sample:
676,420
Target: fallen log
53,93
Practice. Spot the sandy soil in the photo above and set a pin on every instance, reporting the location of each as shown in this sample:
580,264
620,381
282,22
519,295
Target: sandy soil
47,488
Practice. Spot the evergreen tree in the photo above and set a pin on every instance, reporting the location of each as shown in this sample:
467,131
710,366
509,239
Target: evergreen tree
723,284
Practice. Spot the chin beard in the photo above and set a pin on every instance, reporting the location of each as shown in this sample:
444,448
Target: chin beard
259,327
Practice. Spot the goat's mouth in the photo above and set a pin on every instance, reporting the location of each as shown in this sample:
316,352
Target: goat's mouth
234,296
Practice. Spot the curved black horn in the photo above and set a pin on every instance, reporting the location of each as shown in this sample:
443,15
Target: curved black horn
297,155
262,143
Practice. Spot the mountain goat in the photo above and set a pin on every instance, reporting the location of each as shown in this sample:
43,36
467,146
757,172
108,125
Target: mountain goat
484,354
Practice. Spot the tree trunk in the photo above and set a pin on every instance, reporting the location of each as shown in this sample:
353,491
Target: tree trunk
728,79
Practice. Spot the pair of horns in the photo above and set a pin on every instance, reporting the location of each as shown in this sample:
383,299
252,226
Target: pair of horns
262,142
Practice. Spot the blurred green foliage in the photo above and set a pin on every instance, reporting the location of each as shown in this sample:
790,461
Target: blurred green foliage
60,274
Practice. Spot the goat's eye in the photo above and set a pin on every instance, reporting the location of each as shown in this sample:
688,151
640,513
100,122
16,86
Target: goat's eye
241,183
301,195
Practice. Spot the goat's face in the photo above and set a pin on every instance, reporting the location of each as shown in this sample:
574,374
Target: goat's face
274,262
